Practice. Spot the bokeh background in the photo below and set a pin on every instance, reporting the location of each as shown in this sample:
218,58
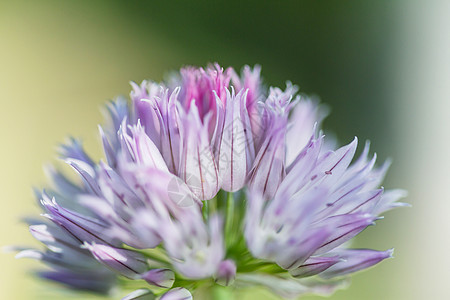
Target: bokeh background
382,66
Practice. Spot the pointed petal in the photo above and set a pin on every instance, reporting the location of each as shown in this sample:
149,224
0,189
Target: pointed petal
107,149
86,172
305,115
83,228
198,167
144,113
389,201
226,273
54,238
74,150
142,148
141,294
163,278
125,262
233,162
288,287
355,260
98,282
345,228
314,266
178,293
115,113
269,167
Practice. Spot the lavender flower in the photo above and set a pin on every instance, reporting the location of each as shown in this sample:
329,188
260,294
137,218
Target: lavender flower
210,179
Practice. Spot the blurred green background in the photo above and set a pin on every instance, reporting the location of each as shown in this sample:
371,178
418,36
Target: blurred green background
382,66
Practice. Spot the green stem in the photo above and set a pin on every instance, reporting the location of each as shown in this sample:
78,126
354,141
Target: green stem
212,205
205,210
229,220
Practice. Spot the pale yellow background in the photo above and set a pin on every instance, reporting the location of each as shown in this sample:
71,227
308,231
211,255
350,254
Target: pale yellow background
59,62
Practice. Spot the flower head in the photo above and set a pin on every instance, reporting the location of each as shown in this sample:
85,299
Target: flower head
210,179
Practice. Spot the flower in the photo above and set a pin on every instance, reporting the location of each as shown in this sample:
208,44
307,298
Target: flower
210,178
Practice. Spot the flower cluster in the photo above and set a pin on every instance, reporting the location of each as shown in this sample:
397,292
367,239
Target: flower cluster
211,178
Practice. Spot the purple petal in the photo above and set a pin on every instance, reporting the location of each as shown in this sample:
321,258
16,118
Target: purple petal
163,278
178,293
226,273
195,248
269,166
288,287
355,260
76,261
116,112
142,149
332,165
125,262
62,184
300,171
234,160
141,294
83,228
305,117
86,172
345,227
389,201
168,116
314,266
198,167
92,281
74,150
144,112
108,149
54,238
